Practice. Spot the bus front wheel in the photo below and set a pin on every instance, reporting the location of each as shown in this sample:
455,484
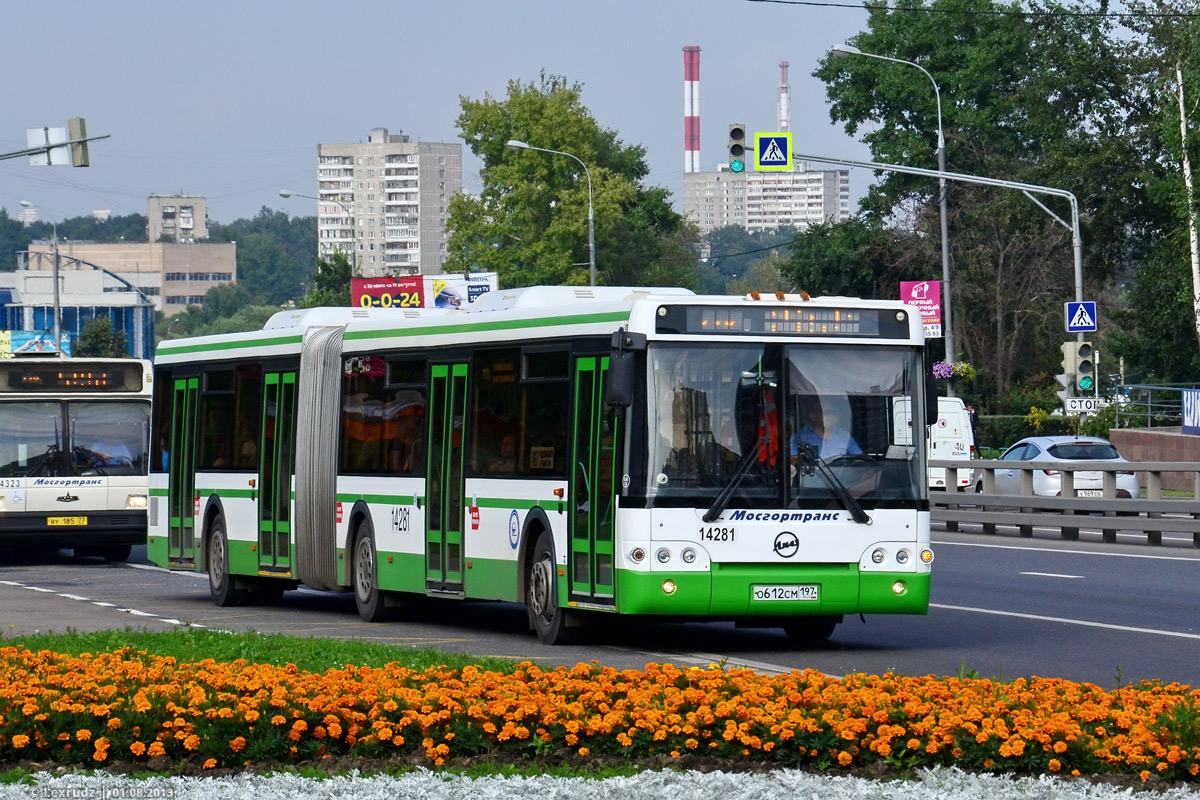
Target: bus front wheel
367,595
220,582
546,617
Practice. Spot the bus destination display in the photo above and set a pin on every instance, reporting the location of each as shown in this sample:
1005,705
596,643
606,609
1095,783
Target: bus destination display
27,378
784,321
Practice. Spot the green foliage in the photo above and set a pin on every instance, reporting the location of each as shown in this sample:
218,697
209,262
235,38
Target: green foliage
14,237
999,431
226,309
855,258
330,284
275,253
530,222
735,256
98,339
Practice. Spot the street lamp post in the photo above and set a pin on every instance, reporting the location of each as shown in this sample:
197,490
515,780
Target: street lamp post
345,208
947,312
519,145
57,313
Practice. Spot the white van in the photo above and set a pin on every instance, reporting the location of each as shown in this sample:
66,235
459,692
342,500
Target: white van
950,436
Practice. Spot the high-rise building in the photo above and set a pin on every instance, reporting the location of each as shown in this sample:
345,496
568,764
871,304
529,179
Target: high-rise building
763,201
387,201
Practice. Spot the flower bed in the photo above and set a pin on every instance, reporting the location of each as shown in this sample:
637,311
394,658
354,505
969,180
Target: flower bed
132,706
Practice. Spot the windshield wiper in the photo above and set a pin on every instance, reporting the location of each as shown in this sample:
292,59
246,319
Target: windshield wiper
809,456
743,468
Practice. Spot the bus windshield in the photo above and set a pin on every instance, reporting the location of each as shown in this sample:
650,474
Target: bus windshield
786,424
73,438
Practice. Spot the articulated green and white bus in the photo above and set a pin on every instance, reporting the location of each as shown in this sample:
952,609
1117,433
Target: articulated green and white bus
588,452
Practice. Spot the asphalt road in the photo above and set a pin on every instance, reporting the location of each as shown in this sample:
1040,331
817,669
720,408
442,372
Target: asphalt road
1002,607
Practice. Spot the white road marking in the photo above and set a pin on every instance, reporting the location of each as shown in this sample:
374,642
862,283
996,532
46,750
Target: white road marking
1066,621
1050,575
73,597
1068,551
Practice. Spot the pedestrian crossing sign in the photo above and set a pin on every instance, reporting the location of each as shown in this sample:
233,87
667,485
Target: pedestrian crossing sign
1081,316
773,151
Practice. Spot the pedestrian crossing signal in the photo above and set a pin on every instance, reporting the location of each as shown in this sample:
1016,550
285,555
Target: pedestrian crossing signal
737,147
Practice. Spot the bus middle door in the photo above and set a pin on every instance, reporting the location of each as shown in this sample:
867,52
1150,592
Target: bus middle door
275,467
444,519
593,488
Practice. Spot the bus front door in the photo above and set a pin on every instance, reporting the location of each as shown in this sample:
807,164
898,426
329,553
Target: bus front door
593,485
275,467
181,474
445,514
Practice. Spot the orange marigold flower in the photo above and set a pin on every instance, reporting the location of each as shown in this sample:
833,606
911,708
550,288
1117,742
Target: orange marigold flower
1055,765
64,737
237,745
583,751
1144,775
192,742
156,750
845,758
114,723
83,734
210,763
278,719
20,740
137,748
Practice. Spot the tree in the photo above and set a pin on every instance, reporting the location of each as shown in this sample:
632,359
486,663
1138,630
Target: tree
330,283
855,258
1035,97
275,253
98,339
530,222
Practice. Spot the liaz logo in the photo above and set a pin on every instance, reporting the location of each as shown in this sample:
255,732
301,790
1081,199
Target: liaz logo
67,498
786,544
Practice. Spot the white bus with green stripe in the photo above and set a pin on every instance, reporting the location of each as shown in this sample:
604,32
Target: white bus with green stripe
587,452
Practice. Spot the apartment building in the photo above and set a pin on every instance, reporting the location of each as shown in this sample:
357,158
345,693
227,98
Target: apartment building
763,201
179,218
386,201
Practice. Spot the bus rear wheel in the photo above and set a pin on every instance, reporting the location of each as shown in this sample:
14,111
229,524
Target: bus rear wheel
546,617
811,631
368,597
220,582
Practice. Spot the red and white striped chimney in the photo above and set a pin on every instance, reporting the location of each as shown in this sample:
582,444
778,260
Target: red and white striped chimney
691,109
785,98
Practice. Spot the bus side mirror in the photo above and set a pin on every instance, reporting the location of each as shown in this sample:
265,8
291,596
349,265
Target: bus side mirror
931,399
622,368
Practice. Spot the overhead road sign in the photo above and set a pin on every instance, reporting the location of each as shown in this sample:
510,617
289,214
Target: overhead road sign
773,151
1081,316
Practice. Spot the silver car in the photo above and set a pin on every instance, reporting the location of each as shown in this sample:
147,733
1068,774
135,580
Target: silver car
1048,482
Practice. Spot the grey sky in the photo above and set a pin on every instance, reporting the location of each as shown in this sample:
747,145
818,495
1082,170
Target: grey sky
228,99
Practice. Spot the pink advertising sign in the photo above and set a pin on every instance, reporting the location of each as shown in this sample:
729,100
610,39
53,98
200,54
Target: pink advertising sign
927,296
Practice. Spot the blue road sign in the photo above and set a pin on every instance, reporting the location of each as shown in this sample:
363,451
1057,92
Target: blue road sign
1081,316
773,151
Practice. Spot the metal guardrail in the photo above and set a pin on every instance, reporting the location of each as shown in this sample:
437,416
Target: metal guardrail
1149,404
1152,515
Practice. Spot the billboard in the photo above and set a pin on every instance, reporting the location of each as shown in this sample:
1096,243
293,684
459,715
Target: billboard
14,344
422,291
927,296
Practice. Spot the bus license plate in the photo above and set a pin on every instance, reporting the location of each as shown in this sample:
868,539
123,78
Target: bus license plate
66,521
787,592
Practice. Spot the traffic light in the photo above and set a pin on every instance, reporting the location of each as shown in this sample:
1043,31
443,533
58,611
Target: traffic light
1085,367
1066,379
737,147
77,129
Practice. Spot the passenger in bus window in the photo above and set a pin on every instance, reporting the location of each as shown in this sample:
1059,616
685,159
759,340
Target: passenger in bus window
507,460
404,455
249,454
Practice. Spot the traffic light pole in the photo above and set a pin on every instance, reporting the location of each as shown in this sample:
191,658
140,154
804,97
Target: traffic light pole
1028,188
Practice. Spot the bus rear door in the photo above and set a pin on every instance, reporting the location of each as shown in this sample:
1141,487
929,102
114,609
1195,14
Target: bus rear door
181,471
275,467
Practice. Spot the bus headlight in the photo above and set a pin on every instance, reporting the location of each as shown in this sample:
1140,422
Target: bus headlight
877,555
689,555
668,587
902,557
135,501
637,555
663,555
898,587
